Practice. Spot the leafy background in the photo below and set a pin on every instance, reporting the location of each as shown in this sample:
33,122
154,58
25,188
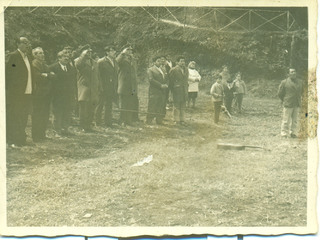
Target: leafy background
261,55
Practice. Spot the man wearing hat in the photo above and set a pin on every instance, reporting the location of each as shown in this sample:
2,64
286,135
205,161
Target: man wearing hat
87,79
127,87
108,75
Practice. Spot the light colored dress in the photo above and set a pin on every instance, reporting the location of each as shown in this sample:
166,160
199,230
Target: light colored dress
193,84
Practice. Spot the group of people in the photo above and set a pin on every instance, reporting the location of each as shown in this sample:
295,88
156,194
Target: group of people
88,86
225,91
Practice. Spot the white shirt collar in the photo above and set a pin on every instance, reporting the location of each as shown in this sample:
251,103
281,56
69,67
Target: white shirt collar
22,53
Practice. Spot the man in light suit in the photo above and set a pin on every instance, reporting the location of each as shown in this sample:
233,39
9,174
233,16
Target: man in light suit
157,92
108,77
87,76
18,92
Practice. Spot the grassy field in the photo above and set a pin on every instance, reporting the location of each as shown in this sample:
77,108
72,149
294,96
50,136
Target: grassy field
89,179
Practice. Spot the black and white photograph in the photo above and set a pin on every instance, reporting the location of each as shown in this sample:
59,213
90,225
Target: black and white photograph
158,119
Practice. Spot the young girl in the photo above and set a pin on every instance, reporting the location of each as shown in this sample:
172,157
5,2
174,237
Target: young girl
217,97
193,80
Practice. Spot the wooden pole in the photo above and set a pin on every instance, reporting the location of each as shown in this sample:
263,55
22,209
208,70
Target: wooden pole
291,50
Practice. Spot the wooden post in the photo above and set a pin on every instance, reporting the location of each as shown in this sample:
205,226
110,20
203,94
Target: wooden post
250,20
215,19
291,51
288,20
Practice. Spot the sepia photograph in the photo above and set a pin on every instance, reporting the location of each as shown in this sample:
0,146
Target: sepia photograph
151,119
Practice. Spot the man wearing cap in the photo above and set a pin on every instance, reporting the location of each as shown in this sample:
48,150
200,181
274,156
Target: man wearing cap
290,91
108,75
157,92
87,79
18,92
127,87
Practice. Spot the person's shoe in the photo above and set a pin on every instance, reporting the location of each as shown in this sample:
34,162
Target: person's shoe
159,123
108,125
88,130
37,140
183,123
13,145
57,134
148,122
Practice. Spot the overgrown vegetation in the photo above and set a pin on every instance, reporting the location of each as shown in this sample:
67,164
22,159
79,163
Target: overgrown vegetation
257,54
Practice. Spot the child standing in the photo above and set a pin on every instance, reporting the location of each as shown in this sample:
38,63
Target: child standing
193,81
217,97
240,90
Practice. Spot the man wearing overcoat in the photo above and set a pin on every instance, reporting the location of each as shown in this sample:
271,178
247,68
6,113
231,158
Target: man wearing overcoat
127,87
108,75
178,85
18,78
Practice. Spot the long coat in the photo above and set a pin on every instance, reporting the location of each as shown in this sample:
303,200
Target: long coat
87,77
178,83
127,79
156,79
108,75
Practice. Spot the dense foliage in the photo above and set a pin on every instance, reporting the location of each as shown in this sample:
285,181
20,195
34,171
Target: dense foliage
256,54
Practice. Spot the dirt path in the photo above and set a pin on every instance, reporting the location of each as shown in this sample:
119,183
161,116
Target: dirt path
90,180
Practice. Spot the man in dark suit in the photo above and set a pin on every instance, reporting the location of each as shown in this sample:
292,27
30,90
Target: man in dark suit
178,85
73,75
18,92
157,92
63,93
108,72
168,65
127,87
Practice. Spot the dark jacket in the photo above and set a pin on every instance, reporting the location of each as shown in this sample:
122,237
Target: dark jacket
290,93
228,90
156,79
178,84
108,75
42,85
16,73
127,80
63,82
